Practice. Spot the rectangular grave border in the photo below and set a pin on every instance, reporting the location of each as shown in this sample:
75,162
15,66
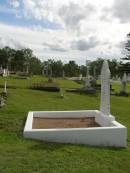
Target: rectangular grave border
111,133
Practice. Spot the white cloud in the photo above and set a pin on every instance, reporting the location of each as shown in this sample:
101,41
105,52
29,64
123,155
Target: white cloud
73,14
84,45
14,3
121,10
88,28
54,47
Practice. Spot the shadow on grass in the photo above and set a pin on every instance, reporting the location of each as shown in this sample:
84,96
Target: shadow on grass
51,146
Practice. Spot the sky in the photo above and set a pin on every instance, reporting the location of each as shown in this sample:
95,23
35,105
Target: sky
66,29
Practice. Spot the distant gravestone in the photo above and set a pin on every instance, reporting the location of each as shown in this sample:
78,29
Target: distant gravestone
61,93
63,74
124,82
2,102
123,91
80,77
5,72
5,88
105,89
87,82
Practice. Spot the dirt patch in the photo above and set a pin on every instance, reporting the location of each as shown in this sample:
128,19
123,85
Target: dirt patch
48,123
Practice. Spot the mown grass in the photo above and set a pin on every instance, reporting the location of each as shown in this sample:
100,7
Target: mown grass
19,155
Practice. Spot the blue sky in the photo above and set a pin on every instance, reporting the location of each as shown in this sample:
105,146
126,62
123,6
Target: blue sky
14,16
70,29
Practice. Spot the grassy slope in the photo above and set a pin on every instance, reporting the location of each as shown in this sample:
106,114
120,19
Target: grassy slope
19,155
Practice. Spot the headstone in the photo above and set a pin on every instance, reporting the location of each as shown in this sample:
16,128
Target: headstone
63,74
80,77
87,82
5,73
5,88
124,82
2,102
105,89
61,93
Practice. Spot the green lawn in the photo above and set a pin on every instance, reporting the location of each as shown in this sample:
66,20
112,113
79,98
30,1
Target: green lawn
19,155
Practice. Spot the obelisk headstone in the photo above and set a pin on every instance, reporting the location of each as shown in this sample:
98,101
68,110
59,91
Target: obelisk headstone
105,89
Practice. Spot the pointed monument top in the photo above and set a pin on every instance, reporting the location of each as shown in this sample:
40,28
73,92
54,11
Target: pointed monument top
105,68
105,89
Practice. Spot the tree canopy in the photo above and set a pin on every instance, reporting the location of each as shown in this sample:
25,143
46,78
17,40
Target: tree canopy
24,60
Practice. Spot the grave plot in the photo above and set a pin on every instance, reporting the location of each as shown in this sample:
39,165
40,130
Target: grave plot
91,127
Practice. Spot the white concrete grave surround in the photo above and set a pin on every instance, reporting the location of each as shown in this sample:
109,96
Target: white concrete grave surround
110,133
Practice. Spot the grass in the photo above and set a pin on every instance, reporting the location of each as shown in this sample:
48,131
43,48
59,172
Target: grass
19,155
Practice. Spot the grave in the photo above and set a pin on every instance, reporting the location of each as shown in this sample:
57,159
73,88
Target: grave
123,91
91,127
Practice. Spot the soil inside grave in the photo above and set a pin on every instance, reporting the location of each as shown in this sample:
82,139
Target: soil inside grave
49,123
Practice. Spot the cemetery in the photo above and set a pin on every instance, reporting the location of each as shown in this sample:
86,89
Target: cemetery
103,131
64,86
36,114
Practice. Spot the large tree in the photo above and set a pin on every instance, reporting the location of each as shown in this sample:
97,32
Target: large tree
71,69
125,63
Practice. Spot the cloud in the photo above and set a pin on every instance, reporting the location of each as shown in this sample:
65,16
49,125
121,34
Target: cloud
12,43
84,28
68,14
73,14
121,10
84,45
54,47
14,3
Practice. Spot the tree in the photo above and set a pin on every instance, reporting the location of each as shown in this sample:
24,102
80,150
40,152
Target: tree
18,61
95,66
71,69
127,47
35,65
125,64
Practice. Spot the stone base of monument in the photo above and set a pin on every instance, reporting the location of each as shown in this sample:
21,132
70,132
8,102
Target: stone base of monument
88,127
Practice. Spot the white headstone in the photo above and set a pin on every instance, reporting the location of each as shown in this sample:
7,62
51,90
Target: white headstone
5,88
124,81
87,80
105,89
5,72
80,77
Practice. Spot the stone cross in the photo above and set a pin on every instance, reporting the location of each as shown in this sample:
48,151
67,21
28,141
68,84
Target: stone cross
105,89
124,81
